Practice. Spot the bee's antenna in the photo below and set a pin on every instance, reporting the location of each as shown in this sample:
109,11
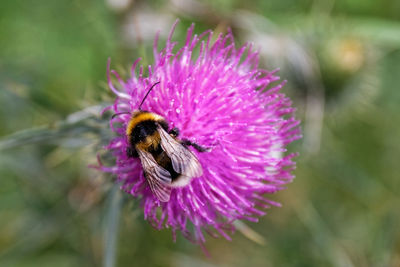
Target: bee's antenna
144,98
120,113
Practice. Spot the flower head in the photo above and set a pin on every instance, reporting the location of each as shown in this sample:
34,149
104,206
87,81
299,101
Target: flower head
218,99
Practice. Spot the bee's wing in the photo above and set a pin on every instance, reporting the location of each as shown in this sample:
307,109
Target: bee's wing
183,160
158,178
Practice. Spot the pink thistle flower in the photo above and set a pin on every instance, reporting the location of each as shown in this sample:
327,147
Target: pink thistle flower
218,99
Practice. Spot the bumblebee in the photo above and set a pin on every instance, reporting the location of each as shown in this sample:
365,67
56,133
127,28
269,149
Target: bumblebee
166,160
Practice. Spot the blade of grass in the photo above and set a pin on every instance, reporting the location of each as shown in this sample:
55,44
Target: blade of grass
113,215
75,125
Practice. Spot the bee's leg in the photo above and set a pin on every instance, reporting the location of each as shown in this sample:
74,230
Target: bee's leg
199,148
174,132
131,153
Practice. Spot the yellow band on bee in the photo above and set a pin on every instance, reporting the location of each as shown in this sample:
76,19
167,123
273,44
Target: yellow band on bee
138,117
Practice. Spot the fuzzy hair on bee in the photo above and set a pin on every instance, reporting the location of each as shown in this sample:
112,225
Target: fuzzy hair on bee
166,160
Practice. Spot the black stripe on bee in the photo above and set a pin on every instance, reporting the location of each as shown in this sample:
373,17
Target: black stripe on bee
142,130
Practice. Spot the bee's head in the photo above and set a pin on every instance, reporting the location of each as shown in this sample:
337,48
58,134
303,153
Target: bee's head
138,112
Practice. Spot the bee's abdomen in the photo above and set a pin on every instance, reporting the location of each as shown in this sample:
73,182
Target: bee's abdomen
164,161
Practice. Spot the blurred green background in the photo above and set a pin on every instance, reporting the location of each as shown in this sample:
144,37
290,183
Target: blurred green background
342,62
